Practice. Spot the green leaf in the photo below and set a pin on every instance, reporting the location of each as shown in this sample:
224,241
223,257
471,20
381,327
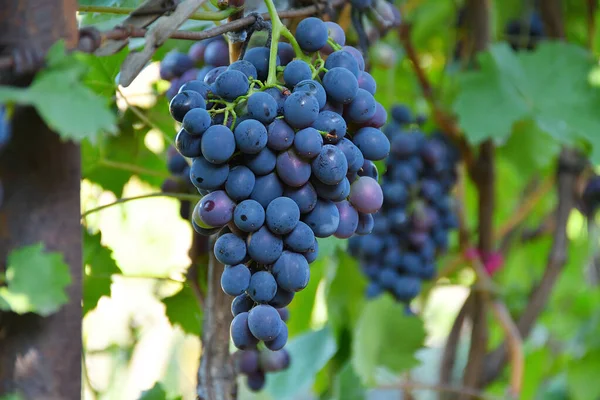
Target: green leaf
99,269
385,337
13,396
182,310
345,291
582,377
115,159
304,304
101,75
329,246
550,86
309,353
35,281
157,393
347,385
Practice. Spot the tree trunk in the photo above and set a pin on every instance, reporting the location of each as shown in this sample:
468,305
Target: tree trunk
40,357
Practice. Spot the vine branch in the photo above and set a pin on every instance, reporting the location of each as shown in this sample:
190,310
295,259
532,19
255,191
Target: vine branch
197,16
180,196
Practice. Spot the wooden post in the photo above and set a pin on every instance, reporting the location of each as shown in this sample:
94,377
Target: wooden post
40,357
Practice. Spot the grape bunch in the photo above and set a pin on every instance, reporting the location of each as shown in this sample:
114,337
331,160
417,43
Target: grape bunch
417,215
179,68
283,146
255,363
525,35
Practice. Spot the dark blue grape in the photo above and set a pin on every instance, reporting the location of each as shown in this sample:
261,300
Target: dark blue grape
241,335
313,87
284,313
372,143
354,156
266,189
312,254
336,33
176,163
196,86
244,67
324,219
308,142
217,53
216,209
211,76
285,52
202,72
291,271
256,381
362,108
184,102
358,57
259,57
404,172
366,195
196,121
362,5
333,124
230,249
330,166
249,216
373,290
395,193
250,136
205,175
365,224
231,85
282,215
301,109
264,247
262,287
404,145
305,197
348,220
402,114
335,107
372,246
367,82
341,85
406,288
295,72
279,97
273,361
218,144
175,64
378,119
262,107
292,170
280,135
311,34
369,169
246,362
240,183
264,322
282,298
261,163
280,340
337,192
342,59
300,239
241,304
235,279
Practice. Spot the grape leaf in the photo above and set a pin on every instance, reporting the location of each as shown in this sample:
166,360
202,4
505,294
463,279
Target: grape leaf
347,385
61,98
101,75
549,86
345,292
117,158
308,353
13,396
35,281
157,393
385,337
99,268
303,306
582,377
182,310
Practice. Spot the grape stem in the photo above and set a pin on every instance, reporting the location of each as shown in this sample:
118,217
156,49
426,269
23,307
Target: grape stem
198,16
180,196
278,29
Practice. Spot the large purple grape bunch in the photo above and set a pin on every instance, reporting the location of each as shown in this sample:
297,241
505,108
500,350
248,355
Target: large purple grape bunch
417,215
282,156
203,56
256,363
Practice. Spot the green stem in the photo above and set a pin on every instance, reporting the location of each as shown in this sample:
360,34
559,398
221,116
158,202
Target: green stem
198,16
180,196
132,168
276,28
333,44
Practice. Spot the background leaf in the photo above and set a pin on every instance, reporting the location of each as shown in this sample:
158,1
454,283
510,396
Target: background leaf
35,281
182,310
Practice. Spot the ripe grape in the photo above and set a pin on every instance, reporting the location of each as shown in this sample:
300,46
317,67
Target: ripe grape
311,34
235,279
